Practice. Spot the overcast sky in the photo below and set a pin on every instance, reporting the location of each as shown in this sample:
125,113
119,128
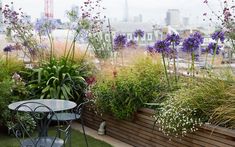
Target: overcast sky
152,10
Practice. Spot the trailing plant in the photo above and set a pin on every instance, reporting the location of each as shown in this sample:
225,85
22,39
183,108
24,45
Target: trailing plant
174,119
191,107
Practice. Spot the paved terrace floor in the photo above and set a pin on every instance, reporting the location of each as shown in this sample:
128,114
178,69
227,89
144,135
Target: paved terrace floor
105,138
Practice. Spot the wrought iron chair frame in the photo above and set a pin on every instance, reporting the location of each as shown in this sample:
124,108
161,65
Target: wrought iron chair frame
43,120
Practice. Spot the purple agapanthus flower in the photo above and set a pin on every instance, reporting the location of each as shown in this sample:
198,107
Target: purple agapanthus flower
212,47
132,44
162,46
192,43
8,48
173,39
120,41
198,37
150,49
205,50
218,35
139,33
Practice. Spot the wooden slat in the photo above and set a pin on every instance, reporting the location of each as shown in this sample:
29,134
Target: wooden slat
139,132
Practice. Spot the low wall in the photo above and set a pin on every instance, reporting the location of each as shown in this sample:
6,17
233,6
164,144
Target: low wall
140,132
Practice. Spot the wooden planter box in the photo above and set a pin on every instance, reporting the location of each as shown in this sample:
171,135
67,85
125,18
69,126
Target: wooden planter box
140,132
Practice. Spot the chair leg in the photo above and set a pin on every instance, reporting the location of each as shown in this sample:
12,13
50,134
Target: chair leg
70,136
84,133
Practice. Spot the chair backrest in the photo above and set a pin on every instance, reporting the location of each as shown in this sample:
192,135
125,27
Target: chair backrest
79,108
40,115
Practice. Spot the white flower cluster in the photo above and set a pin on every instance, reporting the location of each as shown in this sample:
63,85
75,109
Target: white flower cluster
177,120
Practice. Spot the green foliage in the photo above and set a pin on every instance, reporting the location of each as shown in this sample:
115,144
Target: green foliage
224,114
6,98
59,78
26,120
130,89
10,91
8,69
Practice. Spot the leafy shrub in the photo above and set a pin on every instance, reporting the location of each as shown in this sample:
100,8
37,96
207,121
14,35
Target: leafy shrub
8,69
11,91
130,88
59,78
6,98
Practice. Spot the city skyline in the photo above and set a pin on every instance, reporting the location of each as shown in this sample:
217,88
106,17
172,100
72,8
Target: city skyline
151,10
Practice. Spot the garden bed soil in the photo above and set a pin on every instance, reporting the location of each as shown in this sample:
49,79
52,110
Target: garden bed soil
140,132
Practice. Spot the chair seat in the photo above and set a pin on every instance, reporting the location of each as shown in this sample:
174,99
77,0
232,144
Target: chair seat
65,116
43,142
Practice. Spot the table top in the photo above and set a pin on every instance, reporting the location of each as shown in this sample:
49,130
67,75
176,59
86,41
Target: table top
54,104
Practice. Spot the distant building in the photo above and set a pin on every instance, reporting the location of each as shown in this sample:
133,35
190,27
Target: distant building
138,18
185,21
128,29
173,17
126,12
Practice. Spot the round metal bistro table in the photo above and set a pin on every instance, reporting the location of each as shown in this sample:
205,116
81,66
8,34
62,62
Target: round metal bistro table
54,104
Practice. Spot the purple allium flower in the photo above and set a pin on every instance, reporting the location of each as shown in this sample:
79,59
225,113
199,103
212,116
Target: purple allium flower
139,33
8,48
192,43
150,49
120,41
212,47
132,44
173,38
218,35
162,46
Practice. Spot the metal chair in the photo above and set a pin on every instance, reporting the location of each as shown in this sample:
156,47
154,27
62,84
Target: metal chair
42,115
68,118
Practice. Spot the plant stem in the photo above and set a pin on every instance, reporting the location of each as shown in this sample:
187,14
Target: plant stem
166,74
86,51
206,60
192,65
51,46
175,72
66,43
214,53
